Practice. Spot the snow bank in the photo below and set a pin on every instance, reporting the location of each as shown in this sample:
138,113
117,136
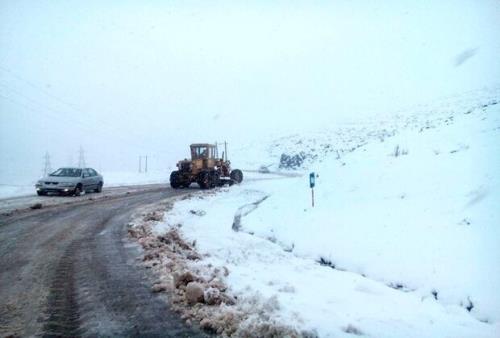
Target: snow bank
403,240
425,220
7,190
303,293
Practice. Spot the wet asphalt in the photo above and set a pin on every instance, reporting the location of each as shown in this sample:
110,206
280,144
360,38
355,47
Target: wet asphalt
70,270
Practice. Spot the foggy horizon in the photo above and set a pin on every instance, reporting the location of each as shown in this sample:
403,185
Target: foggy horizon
125,79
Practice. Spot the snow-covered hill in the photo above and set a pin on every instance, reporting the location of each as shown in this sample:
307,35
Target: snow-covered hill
404,238
342,138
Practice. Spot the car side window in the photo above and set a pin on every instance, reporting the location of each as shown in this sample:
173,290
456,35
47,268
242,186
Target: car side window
86,173
93,172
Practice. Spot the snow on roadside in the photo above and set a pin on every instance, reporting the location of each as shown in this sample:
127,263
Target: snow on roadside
425,221
8,190
314,298
196,288
410,225
120,178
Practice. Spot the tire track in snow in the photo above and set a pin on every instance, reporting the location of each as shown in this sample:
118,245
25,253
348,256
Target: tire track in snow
244,211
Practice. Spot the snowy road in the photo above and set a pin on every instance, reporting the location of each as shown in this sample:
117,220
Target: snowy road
69,270
23,203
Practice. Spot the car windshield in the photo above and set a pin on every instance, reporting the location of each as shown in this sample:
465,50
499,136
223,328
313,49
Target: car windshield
67,172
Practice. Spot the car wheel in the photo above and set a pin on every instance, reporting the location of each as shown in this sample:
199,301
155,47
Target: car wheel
78,190
99,187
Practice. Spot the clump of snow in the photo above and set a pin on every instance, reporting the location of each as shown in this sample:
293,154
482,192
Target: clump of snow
195,293
402,245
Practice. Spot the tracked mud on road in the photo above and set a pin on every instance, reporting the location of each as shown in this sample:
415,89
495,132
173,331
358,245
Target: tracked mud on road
71,271
26,204
62,308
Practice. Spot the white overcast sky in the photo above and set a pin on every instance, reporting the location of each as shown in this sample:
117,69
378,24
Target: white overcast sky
123,78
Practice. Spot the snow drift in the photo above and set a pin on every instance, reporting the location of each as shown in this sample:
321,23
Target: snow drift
404,237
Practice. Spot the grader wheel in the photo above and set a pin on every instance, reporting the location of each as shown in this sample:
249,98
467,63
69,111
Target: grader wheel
204,180
215,179
175,180
236,176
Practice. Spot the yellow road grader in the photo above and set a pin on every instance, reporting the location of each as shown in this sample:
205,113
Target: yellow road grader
205,168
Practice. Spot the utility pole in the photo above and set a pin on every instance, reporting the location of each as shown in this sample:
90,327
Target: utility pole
81,158
145,163
46,164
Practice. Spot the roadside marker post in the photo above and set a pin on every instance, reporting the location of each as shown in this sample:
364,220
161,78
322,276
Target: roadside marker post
312,183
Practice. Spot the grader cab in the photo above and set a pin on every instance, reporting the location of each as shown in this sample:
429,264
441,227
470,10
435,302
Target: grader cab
205,168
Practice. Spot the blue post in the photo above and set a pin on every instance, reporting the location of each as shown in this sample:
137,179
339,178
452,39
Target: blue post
312,183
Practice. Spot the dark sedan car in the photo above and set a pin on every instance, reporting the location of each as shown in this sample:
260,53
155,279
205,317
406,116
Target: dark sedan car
70,181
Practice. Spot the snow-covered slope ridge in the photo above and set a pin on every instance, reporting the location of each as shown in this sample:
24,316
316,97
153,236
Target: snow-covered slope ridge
314,146
419,211
403,241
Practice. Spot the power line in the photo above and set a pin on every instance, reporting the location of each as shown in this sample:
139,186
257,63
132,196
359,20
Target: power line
64,115
56,114
20,78
64,102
